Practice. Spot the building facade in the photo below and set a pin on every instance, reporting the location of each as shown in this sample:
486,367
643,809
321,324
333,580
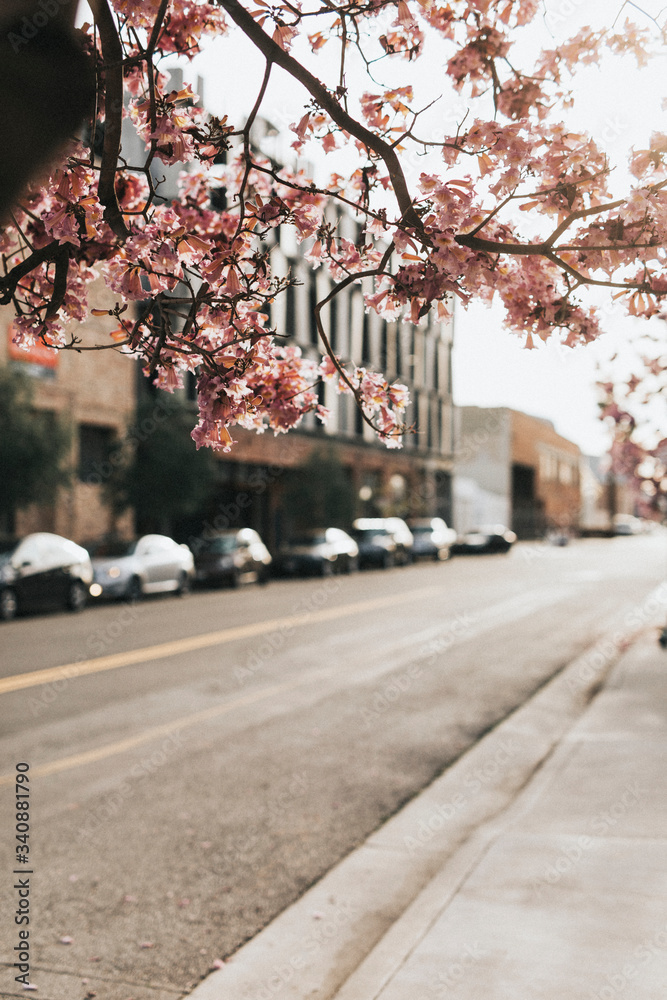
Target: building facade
99,392
256,478
93,393
515,469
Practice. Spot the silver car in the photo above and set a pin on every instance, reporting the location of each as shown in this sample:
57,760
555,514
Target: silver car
153,564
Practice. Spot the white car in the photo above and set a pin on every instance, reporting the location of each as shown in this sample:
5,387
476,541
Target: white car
43,571
153,564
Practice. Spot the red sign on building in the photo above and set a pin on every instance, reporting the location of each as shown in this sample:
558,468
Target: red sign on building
38,354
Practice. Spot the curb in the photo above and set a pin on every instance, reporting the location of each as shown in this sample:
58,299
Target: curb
312,948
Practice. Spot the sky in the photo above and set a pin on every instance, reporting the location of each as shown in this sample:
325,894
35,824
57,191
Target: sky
617,104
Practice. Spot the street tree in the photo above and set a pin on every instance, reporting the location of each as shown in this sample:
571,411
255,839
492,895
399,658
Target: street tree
34,449
320,493
155,471
518,208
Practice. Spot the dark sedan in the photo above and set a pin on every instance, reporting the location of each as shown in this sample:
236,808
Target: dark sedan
322,551
432,538
232,557
487,540
43,571
377,547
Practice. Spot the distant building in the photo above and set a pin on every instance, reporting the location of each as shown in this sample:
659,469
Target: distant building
514,469
95,393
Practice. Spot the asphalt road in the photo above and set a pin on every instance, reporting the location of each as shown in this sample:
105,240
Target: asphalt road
196,763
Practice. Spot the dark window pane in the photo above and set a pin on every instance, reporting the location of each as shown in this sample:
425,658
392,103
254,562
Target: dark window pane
94,447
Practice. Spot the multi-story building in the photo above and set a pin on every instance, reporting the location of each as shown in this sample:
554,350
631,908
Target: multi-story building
415,480
98,392
94,394
514,469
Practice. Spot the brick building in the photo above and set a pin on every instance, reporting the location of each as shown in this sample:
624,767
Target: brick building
514,469
93,392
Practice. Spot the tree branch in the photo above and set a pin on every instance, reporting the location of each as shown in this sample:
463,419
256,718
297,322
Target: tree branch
274,53
112,52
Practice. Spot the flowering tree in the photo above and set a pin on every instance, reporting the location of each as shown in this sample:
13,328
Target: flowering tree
194,285
633,407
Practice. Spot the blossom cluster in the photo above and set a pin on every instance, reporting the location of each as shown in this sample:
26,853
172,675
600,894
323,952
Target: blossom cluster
192,277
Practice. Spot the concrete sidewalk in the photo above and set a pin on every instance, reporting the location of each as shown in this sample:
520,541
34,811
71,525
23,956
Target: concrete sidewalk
565,896
534,869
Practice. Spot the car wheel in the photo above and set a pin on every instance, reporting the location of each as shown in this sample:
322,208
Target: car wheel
326,568
8,605
134,591
388,561
263,576
77,596
353,565
183,585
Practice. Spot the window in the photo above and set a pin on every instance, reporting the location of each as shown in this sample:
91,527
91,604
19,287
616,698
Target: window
333,323
190,385
94,448
312,302
365,341
290,311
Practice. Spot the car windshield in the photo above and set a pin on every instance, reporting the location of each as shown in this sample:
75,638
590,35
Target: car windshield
368,533
315,539
422,530
220,546
114,549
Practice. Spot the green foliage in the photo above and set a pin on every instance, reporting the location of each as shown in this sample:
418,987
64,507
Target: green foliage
34,446
320,495
159,473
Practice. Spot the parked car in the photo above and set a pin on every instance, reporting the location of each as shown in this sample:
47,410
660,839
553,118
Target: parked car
152,564
377,547
232,557
398,530
432,538
43,571
322,551
489,539
626,524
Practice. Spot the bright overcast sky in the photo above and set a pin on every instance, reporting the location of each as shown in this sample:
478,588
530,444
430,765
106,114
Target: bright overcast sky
617,104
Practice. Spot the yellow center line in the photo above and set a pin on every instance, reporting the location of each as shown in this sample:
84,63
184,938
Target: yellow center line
158,732
69,671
